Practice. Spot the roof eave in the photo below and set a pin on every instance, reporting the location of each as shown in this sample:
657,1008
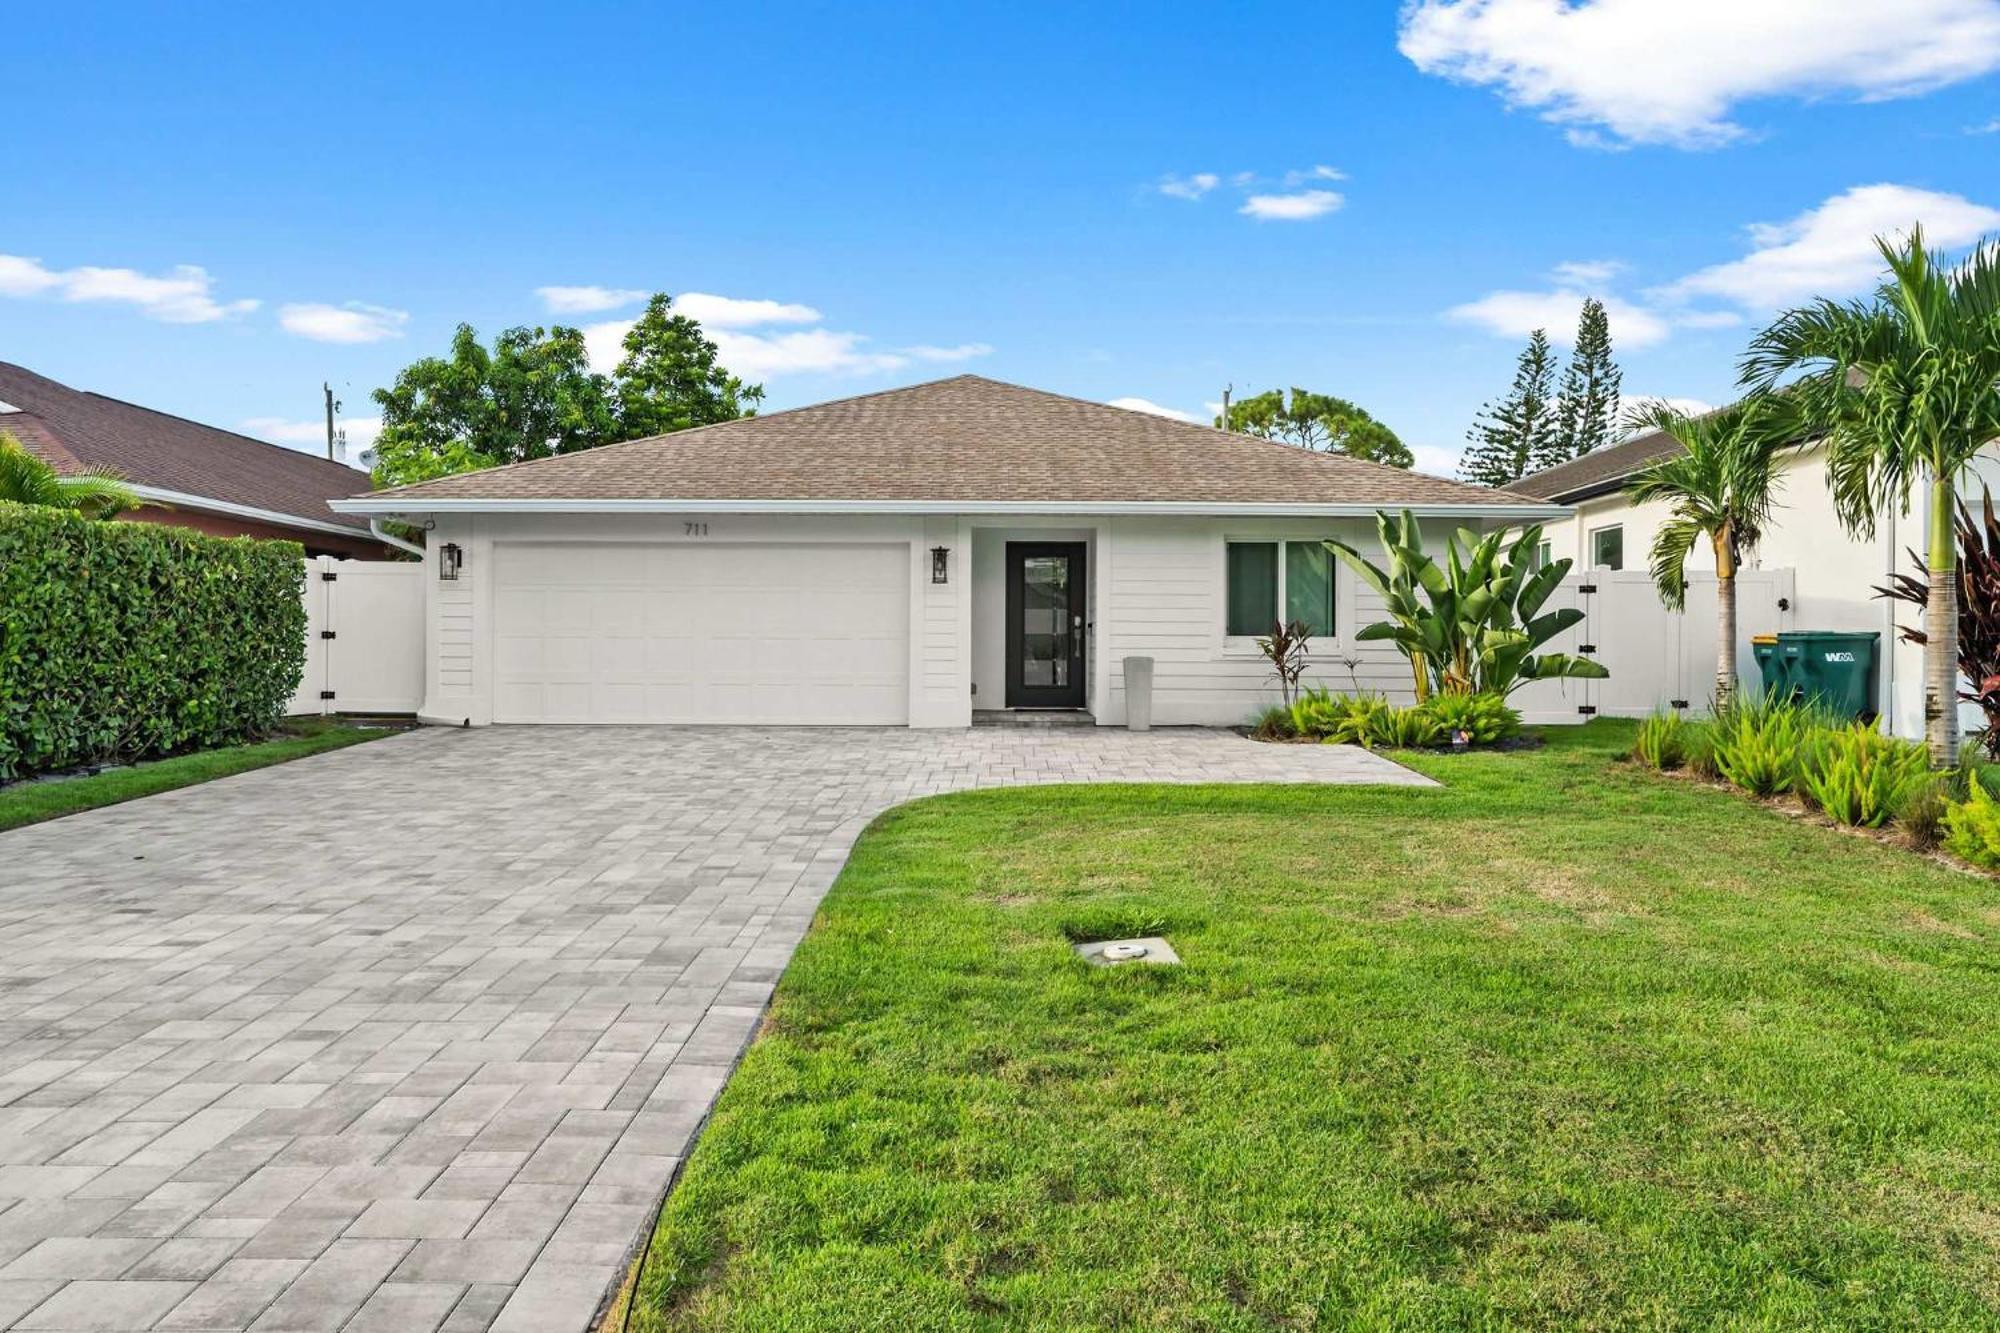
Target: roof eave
1511,509
276,517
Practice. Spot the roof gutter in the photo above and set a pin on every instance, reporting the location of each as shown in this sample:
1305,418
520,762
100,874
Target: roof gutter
388,538
184,500
1513,510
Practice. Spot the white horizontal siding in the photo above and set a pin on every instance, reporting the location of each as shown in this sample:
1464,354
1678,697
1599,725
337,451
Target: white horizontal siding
1166,602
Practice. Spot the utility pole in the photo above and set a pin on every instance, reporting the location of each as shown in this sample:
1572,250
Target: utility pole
327,389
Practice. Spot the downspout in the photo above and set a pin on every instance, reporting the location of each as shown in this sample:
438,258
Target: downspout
387,538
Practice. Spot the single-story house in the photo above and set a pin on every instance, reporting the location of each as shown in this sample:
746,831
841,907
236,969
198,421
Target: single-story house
1835,574
904,557
191,475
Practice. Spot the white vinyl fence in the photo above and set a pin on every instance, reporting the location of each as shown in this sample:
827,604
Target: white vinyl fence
364,637
1657,658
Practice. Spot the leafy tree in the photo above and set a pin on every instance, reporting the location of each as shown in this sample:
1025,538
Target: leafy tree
1587,410
534,395
531,396
670,378
1906,389
25,478
1509,436
1320,422
1720,487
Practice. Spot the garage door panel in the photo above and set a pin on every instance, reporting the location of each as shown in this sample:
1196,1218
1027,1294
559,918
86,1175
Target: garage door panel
778,633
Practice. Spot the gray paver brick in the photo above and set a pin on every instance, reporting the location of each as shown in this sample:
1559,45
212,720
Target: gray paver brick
281,1012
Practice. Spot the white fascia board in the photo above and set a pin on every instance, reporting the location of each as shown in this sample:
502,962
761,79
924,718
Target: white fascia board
1513,512
184,500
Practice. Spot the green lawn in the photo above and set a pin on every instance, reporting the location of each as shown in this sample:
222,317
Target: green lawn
1562,1045
30,802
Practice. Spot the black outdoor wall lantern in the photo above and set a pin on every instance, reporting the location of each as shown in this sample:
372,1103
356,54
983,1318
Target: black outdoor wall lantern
940,557
450,560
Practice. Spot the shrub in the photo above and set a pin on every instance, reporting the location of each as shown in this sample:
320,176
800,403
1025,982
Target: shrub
1757,745
1858,775
1484,717
1662,742
1402,728
1698,750
124,640
1921,809
1972,827
1274,724
1341,718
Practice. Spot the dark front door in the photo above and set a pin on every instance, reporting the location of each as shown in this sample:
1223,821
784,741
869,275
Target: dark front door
1045,625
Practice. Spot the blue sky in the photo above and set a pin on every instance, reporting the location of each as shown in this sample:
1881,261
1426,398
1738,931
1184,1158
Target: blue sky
212,210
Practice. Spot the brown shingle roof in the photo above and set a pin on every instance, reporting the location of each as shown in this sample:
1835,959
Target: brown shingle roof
1599,471
73,429
966,439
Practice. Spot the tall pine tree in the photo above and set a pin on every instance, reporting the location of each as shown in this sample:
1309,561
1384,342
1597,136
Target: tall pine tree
1509,436
1587,412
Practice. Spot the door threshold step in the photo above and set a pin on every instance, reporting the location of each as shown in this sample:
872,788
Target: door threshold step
1032,717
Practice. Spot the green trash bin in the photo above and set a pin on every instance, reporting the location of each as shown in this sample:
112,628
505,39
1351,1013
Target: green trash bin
1770,665
1832,668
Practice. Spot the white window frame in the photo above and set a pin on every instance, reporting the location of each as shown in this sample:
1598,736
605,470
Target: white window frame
1598,531
1245,645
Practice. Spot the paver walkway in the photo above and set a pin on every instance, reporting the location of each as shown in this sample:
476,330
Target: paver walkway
413,1036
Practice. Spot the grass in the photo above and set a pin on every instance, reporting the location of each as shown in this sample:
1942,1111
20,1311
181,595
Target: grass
31,802
1561,1045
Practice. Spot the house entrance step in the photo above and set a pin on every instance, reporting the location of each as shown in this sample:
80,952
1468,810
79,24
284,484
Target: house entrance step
1032,717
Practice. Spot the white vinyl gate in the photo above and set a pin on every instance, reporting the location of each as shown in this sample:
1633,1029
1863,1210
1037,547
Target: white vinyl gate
364,637
1657,658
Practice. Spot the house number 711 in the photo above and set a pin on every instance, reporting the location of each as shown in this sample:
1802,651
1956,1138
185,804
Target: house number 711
696,529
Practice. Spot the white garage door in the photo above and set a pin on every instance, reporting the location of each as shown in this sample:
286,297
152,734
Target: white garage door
706,632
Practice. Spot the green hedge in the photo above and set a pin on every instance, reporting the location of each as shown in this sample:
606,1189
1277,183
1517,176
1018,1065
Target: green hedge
127,640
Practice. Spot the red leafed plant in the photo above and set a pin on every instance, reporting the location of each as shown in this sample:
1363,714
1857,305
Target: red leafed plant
1978,610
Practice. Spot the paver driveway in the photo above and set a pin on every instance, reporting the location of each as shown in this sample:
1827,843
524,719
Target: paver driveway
413,1035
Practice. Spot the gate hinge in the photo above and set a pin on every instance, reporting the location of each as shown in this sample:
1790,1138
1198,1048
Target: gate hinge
326,634
327,576
1677,703
1586,647
326,694
1588,710
1586,587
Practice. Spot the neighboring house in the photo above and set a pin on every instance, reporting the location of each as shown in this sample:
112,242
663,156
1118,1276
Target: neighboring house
193,476
1835,574
905,557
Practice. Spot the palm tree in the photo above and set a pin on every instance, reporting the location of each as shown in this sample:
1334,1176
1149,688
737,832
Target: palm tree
1906,388
1719,487
94,492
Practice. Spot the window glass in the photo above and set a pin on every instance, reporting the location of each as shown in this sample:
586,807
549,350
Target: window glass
1253,588
1309,586
1607,548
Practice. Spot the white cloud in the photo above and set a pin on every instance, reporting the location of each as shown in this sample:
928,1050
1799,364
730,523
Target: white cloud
1990,127
587,300
1189,187
1617,72
1437,460
758,357
1515,314
1149,406
1587,272
729,312
1300,207
1830,250
182,296
309,437
1294,179
354,322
